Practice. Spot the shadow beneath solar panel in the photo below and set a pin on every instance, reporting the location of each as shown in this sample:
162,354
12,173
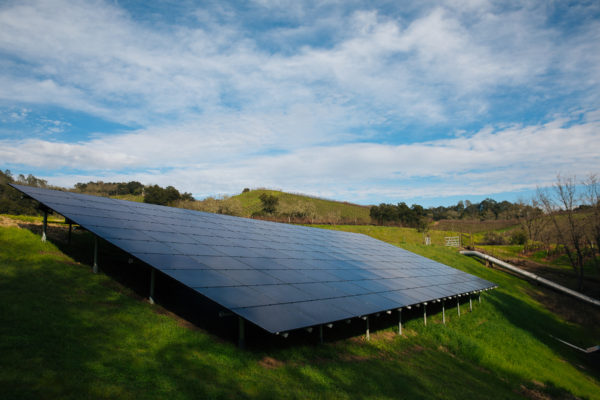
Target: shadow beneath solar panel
172,298
382,326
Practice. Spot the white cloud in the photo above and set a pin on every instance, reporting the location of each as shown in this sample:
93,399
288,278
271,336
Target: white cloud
305,106
487,162
96,58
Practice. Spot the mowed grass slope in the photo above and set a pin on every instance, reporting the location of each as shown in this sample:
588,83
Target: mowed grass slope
67,333
395,235
325,209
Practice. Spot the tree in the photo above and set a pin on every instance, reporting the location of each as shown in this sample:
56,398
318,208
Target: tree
487,208
559,204
11,200
269,203
132,187
592,197
532,219
157,195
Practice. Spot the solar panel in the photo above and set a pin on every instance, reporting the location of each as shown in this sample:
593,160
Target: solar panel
280,277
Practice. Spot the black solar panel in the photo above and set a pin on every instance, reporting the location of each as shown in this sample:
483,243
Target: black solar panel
280,277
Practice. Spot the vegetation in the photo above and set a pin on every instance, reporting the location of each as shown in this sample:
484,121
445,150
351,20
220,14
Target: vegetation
488,209
288,207
401,213
11,200
577,234
164,196
135,191
269,203
67,333
106,189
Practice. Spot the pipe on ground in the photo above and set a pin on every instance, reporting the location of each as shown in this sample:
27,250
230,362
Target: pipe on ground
535,277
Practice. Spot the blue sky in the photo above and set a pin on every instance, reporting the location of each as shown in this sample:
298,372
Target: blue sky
368,102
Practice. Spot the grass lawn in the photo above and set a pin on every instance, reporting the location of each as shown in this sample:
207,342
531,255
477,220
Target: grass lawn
67,333
394,235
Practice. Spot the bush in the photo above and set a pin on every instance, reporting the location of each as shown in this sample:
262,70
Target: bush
493,238
518,237
12,201
157,195
269,203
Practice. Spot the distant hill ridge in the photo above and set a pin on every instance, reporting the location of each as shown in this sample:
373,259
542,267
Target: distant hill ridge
289,207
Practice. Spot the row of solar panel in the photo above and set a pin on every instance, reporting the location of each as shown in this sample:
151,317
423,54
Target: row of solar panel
237,297
155,227
278,276
140,231
279,317
175,261
245,277
181,217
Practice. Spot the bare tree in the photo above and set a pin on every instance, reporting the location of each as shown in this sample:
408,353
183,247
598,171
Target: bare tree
560,204
532,218
592,197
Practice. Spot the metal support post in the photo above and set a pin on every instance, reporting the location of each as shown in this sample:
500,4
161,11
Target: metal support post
425,314
479,297
321,334
458,305
45,225
368,330
470,303
70,229
152,279
241,333
399,321
444,311
95,267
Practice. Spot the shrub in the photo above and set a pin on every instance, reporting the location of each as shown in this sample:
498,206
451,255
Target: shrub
269,203
518,237
493,238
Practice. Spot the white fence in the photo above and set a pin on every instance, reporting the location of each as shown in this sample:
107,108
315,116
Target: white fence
452,241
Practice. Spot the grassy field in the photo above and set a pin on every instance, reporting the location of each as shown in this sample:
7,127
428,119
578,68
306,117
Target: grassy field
67,333
325,209
130,197
394,235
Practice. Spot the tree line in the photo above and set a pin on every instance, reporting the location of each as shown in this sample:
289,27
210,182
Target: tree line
12,201
416,215
153,194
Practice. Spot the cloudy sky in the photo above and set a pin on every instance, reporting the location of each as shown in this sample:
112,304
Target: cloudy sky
368,102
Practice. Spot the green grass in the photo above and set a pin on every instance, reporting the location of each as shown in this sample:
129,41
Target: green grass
35,218
130,197
67,333
394,235
325,209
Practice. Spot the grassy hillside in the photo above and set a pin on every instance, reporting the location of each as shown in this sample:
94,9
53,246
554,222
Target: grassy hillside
394,235
67,333
333,211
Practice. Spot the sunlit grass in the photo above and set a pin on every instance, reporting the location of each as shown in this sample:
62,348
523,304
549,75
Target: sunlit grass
67,333
325,209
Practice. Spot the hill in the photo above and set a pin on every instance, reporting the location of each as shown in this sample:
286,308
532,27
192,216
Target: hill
324,210
290,207
67,333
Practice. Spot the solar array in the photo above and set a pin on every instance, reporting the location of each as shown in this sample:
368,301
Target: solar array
280,277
